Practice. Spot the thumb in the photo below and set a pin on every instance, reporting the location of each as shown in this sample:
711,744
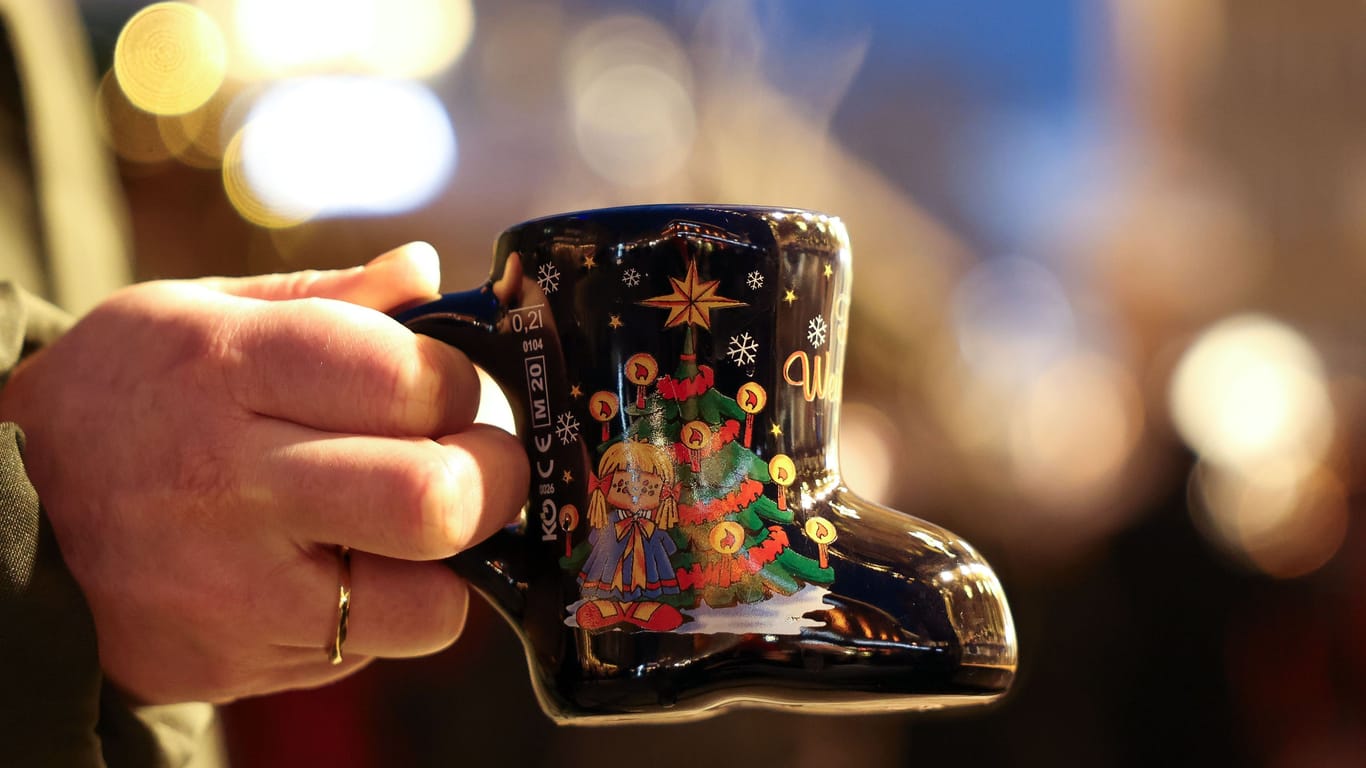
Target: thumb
407,274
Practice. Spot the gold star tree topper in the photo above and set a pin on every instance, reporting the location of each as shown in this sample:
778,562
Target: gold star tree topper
691,301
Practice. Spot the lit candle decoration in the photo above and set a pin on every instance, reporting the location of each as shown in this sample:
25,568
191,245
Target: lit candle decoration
727,537
641,370
821,531
783,472
569,520
751,398
603,407
696,435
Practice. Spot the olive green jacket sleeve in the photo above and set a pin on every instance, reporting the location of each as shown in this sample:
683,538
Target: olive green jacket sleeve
55,708
49,677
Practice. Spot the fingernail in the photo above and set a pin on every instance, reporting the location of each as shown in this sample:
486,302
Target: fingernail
421,255
387,257
428,263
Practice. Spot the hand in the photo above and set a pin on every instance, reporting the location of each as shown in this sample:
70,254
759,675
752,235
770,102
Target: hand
202,447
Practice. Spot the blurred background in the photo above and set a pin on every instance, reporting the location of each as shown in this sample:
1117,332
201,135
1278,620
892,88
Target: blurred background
1109,315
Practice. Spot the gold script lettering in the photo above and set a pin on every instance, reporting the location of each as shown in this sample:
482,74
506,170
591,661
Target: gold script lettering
814,378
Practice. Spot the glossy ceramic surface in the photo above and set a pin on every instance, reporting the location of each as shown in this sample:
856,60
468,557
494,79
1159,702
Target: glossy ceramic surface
688,542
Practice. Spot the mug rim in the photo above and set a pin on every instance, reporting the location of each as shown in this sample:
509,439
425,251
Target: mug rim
678,207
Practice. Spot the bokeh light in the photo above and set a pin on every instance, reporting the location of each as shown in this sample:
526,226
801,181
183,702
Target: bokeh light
170,58
1075,430
332,146
1012,320
868,449
521,45
200,138
633,114
393,38
132,133
1249,393
623,41
1282,525
273,214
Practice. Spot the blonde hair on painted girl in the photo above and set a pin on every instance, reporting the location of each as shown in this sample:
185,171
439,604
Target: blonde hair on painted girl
642,457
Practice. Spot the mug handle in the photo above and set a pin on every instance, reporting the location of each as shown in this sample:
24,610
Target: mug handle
468,321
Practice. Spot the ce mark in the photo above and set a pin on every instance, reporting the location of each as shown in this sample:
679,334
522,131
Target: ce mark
546,468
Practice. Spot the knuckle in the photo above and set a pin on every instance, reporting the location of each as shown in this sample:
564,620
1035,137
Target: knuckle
428,488
459,383
219,346
435,624
513,471
430,388
301,283
450,621
418,390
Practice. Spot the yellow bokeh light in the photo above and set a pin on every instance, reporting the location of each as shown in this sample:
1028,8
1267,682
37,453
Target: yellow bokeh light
129,131
393,38
1250,393
170,58
199,138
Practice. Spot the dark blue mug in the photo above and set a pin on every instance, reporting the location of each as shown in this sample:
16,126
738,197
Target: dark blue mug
688,542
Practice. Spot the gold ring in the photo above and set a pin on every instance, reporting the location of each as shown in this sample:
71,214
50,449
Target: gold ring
334,653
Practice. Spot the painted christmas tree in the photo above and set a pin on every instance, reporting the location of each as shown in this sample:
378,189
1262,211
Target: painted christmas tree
731,542
679,507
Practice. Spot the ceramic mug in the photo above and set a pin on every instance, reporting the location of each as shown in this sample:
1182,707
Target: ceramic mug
688,543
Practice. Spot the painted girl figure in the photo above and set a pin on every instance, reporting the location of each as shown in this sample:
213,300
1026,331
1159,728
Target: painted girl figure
632,505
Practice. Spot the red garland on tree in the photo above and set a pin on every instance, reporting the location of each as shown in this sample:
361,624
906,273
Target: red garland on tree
726,571
687,388
719,509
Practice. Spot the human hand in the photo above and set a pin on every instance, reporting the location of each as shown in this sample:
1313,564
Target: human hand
202,448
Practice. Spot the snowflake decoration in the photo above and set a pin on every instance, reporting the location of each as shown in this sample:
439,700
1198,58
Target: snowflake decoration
566,428
742,349
548,278
755,280
630,277
815,331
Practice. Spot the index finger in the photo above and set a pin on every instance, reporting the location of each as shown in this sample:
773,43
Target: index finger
339,367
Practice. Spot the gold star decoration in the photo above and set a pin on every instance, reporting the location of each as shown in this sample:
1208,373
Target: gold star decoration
775,429
568,476
589,262
828,271
614,321
691,301
575,391
790,297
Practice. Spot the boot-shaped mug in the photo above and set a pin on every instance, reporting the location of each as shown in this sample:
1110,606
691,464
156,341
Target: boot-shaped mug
688,542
